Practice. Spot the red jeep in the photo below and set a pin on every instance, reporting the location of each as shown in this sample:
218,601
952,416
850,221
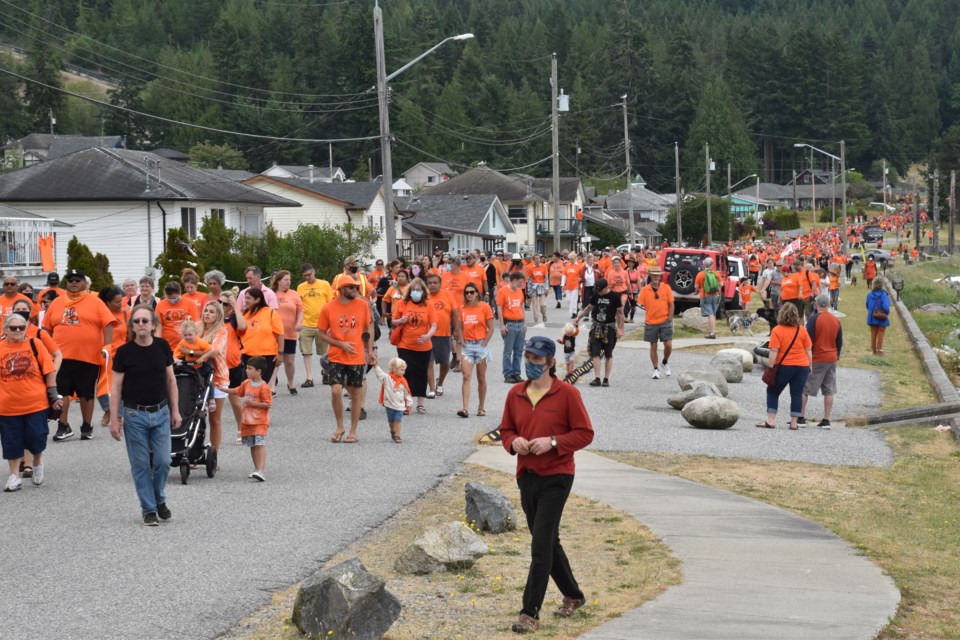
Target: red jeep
680,268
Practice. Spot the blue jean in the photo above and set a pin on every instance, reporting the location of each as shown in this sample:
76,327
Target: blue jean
795,378
148,447
513,347
834,298
558,292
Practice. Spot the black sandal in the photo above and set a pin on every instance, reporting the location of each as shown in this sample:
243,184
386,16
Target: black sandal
463,414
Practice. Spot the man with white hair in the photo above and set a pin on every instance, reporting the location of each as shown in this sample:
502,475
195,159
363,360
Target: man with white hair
707,285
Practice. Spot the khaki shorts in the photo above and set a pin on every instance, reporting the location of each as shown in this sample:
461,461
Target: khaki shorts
662,332
308,337
822,378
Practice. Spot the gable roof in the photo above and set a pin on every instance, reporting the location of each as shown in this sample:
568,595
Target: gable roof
100,174
437,167
303,171
352,195
62,145
643,200
460,213
569,188
483,180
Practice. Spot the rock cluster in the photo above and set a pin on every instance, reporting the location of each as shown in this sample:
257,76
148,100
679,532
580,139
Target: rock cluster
447,547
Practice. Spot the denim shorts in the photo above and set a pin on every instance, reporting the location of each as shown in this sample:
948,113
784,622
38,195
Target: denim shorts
254,441
709,305
27,432
394,415
474,351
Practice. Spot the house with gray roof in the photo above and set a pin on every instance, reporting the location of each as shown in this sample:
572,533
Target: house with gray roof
121,203
309,173
427,174
40,147
455,223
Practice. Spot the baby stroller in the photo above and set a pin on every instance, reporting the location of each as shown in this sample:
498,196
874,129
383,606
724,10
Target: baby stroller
194,388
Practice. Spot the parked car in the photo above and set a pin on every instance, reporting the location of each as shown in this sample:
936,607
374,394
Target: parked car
872,234
625,248
737,272
881,256
680,269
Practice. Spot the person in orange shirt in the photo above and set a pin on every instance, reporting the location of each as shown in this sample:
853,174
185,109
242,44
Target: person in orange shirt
346,324
447,319
538,273
556,277
113,298
192,349
475,273
476,331
746,293
792,350
834,286
512,327
10,295
453,282
657,298
790,288
234,322
619,282
416,320
290,308
257,399
173,310
571,284
191,280
263,335
378,272
870,270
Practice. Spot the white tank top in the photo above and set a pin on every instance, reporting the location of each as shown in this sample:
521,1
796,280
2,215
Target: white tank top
588,276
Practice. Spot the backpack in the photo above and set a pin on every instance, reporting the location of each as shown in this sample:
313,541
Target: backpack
711,283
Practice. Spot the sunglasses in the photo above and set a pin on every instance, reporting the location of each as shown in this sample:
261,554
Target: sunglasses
17,327
469,293
74,280
141,321
9,284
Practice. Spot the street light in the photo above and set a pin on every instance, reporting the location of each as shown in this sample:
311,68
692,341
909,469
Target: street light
382,80
730,198
843,181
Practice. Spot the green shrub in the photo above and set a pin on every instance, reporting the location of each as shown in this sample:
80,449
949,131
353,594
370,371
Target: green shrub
96,267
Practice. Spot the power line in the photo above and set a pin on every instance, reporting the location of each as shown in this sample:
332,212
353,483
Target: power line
466,166
184,124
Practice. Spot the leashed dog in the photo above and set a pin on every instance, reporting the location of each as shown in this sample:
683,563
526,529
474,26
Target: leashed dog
743,321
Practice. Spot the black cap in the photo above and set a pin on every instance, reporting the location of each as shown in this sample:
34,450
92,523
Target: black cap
600,284
75,273
540,346
53,278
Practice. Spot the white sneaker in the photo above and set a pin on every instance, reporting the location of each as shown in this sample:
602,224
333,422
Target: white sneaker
38,475
666,369
256,475
656,374
13,483
539,325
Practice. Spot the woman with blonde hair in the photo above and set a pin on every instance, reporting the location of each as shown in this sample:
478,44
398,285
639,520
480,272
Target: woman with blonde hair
791,351
235,323
214,331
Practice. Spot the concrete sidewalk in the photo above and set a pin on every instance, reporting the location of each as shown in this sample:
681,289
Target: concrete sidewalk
750,570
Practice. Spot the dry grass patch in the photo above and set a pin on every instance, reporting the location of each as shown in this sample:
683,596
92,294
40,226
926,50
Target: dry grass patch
619,564
905,517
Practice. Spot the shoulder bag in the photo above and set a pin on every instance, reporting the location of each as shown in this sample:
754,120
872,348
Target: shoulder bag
770,373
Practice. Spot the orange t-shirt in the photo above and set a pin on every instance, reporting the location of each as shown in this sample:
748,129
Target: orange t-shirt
834,282
23,388
780,339
263,329
698,283
419,319
33,331
289,305
255,421
556,273
7,302
571,273
511,303
474,319
453,283
78,326
538,273
191,352
476,275
618,281
172,316
442,303
220,342
746,292
198,298
346,323
657,303
790,287
811,282
233,347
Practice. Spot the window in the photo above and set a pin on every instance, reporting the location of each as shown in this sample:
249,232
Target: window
219,214
251,224
188,220
431,179
517,214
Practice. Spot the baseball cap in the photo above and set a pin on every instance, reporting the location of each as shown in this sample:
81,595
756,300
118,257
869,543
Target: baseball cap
540,346
600,284
53,278
75,273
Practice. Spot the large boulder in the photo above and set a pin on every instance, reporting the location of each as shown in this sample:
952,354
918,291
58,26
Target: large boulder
345,601
450,546
488,509
692,374
701,389
711,413
745,356
730,366
692,319
944,309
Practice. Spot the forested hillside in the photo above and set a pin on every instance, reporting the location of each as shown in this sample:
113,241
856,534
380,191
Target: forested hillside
749,76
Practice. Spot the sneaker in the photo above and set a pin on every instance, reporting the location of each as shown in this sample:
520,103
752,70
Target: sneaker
656,374
258,476
824,424
86,431
306,384
324,380
13,483
151,520
105,420
439,391
606,383
711,336
569,606
666,369
801,421
526,624
63,432
431,394
37,478
596,382
163,511
508,379
558,305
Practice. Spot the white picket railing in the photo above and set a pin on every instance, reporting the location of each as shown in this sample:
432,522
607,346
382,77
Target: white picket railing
19,241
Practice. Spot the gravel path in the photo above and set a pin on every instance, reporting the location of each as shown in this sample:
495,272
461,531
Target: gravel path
84,566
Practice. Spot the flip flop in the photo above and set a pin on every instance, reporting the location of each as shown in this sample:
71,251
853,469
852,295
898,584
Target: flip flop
481,412
337,437
764,425
396,438
421,409
463,414
350,440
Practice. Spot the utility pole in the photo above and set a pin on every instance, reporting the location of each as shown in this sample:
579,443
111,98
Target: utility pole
390,228
330,160
813,191
843,182
709,216
730,201
884,186
796,203
833,192
951,237
935,245
556,152
916,215
53,120
676,168
626,143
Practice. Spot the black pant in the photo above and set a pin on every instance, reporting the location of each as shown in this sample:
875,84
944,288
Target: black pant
416,375
542,499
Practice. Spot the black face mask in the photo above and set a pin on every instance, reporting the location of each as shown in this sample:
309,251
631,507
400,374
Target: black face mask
354,268
23,314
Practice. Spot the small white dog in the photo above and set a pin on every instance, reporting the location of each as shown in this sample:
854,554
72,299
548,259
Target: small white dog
743,321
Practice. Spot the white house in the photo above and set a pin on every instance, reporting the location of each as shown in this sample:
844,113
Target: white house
326,203
402,189
309,172
428,174
121,203
455,223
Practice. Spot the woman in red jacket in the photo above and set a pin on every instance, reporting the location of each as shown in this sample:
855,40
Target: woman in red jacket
544,442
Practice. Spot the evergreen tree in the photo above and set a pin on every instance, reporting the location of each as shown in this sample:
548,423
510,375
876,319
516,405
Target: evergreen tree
96,267
719,123
43,65
177,256
695,221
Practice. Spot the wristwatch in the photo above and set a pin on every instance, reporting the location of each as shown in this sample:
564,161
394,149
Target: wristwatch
553,442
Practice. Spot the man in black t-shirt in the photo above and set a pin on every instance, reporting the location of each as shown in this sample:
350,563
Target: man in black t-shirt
143,381
604,308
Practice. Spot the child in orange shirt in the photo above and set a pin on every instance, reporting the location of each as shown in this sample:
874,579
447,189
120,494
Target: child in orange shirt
746,292
192,350
394,394
256,398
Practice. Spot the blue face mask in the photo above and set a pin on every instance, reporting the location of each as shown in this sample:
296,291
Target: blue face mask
416,295
533,370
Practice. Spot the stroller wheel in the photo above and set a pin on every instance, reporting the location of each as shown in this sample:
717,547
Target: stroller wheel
184,472
211,462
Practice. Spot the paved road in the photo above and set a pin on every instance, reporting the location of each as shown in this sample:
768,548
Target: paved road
83,566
